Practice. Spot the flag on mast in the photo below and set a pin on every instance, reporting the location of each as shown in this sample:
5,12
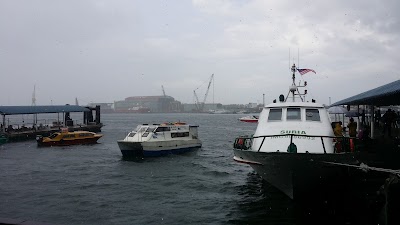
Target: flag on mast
304,71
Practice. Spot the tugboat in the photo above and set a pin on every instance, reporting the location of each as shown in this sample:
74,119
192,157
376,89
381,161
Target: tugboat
292,135
65,138
159,139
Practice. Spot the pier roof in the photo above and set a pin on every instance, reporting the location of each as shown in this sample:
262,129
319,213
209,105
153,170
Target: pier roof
13,110
388,94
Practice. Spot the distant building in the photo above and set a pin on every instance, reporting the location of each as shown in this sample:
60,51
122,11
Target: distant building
144,104
252,105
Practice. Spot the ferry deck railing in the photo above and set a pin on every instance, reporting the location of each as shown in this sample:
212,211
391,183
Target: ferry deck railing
341,143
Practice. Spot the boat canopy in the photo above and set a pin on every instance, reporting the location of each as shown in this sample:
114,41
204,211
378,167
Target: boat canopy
14,110
388,94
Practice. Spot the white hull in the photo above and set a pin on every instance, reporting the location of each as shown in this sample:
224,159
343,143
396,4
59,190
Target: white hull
157,148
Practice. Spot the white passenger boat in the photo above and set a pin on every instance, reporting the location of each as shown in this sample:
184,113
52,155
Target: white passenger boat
292,138
160,139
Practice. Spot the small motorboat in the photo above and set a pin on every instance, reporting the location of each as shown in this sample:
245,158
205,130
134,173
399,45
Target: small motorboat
249,119
65,137
159,139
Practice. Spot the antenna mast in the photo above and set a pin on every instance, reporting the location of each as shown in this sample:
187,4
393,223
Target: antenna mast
295,88
34,96
34,104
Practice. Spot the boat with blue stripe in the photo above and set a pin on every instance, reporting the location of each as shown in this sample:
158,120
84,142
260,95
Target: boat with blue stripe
150,140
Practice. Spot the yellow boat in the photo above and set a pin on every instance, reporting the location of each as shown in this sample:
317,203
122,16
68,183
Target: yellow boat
68,138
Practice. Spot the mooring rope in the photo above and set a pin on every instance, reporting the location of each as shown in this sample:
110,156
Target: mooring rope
365,167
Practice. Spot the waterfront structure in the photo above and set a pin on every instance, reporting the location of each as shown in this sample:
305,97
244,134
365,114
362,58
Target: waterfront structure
15,132
104,107
145,104
207,107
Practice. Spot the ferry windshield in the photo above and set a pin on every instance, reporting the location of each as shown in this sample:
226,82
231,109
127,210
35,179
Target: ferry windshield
293,114
312,115
275,115
151,129
142,129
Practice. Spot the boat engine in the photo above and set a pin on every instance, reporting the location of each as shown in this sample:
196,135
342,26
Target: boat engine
39,138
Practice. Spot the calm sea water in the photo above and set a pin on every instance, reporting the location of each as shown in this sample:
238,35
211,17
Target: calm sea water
94,185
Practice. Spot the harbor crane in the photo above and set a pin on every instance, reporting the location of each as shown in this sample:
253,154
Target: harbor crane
163,91
200,105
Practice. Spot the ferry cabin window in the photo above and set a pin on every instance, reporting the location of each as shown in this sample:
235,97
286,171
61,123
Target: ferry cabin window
68,136
275,115
293,114
312,115
163,129
180,134
131,134
85,134
53,135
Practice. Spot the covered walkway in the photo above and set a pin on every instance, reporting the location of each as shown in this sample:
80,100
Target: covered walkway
386,95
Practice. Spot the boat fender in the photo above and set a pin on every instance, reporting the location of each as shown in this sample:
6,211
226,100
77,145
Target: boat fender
351,144
239,143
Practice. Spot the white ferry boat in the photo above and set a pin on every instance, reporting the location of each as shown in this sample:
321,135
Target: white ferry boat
160,139
291,138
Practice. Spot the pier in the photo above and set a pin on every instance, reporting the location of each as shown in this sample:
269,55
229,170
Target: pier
26,131
375,182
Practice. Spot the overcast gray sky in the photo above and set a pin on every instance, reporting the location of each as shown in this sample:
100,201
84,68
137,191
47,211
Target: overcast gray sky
104,51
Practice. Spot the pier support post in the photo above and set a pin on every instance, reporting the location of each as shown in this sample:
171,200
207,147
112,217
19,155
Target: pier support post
4,124
372,122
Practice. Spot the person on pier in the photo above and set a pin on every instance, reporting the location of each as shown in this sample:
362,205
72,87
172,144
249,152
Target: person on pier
352,128
388,119
338,131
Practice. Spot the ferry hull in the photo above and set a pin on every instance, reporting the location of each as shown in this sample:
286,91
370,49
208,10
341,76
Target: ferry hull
158,148
296,174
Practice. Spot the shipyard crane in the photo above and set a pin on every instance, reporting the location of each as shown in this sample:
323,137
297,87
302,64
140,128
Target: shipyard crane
163,91
200,105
